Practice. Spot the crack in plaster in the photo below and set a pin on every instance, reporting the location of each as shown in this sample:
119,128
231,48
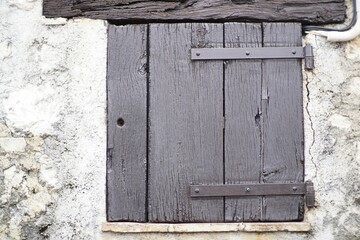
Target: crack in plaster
307,82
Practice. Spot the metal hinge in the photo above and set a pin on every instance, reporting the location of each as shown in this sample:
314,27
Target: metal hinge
256,53
266,189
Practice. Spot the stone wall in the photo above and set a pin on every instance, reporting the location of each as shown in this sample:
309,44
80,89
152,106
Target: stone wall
53,132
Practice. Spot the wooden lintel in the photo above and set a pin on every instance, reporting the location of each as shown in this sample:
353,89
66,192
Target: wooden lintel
305,11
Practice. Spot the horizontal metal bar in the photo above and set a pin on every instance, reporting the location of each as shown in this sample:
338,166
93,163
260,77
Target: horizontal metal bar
247,190
247,53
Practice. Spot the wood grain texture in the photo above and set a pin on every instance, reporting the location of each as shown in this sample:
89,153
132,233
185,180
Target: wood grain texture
62,8
186,123
283,140
306,11
242,113
127,81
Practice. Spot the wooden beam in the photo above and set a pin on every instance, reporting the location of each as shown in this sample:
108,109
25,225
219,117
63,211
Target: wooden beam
305,11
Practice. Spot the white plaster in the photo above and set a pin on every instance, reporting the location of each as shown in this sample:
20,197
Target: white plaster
22,4
5,49
53,21
340,121
34,109
12,144
352,50
48,174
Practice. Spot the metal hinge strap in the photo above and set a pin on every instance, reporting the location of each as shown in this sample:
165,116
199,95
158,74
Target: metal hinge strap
268,189
309,57
255,53
310,194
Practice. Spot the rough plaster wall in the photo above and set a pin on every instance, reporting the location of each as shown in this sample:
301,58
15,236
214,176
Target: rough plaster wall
52,132
52,124
333,138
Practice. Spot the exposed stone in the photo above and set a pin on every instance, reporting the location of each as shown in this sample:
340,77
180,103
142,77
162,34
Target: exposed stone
4,130
13,177
36,204
12,144
35,143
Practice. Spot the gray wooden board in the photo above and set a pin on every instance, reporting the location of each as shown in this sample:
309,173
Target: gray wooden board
242,113
186,123
126,87
283,140
307,11
62,8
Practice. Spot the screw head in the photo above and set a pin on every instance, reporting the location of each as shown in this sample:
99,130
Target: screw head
197,190
293,51
247,53
294,189
197,54
247,189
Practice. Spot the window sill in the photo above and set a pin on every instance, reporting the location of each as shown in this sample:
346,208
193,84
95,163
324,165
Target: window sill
127,227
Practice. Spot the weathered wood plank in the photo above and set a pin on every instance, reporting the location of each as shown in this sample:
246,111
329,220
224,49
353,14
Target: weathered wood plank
186,123
283,140
242,130
306,11
62,8
127,121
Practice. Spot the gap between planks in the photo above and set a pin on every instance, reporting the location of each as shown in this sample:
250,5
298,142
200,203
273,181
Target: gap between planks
131,227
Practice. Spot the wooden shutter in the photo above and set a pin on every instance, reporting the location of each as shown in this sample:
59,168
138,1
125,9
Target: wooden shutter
127,123
202,122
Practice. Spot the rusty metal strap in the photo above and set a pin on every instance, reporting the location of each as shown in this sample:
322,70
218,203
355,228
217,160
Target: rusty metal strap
255,53
268,189
247,190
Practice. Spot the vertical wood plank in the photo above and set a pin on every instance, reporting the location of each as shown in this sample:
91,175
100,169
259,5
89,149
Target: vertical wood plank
242,112
126,166
283,149
186,123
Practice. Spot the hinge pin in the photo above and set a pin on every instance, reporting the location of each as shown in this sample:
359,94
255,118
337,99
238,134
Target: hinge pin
310,194
309,57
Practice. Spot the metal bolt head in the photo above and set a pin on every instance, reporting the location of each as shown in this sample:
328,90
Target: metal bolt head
294,189
247,53
197,54
247,189
197,190
293,51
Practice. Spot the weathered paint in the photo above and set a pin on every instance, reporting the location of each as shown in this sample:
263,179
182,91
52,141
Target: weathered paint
63,193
